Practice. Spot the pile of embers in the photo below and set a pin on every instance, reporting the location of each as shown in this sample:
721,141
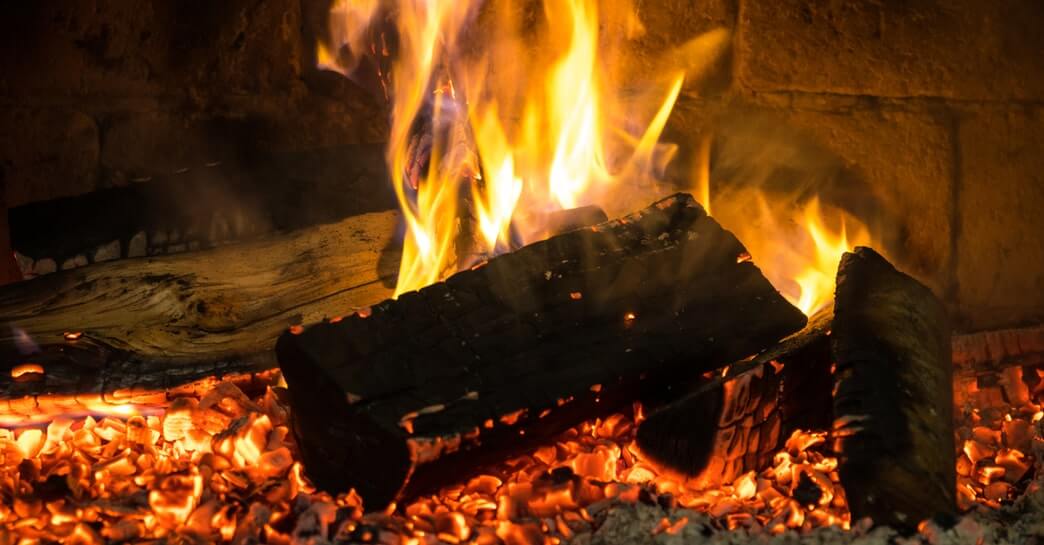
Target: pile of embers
222,467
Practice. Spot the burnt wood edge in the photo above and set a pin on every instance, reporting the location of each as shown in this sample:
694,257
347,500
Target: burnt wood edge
893,394
714,437
303,371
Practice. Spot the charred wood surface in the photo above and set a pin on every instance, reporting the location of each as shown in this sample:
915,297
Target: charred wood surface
462,372
206,306
893,400
735,422
204,205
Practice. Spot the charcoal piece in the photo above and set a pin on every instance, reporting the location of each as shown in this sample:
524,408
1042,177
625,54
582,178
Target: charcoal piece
432,385
734,422
893,397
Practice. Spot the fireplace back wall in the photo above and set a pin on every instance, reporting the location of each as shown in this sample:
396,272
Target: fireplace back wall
936,107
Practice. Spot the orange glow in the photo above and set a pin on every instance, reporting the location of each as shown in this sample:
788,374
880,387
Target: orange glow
219,464
489,137
523,123
26,369
799,248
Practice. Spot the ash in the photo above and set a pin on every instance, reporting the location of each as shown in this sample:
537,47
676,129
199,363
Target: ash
1020,522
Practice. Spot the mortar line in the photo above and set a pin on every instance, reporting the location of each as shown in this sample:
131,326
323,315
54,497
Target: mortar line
956,184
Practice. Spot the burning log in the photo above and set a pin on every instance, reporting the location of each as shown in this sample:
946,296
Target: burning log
736,421
426,388
211,305
893,400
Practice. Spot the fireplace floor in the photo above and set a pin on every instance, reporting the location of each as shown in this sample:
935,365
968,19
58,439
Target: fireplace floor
219,465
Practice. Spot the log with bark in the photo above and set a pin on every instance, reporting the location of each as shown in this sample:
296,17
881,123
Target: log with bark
893,397
156,323
209,305
428,387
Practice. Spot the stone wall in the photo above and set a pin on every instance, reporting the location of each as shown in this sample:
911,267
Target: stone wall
934,109
105,92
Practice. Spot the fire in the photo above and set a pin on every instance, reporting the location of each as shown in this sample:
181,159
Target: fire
797,246
24,369
487,140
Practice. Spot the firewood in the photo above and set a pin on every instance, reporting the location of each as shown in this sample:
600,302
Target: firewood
893,397
736,421
211,305
426,388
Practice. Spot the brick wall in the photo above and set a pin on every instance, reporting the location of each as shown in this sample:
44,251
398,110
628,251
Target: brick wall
103,92
935,107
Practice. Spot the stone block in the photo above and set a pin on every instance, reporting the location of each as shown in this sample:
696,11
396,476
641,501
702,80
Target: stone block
893,169
47,154
150,48
973,50
1000,242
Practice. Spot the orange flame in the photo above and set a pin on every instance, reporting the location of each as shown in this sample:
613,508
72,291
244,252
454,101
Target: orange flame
799,248
523,125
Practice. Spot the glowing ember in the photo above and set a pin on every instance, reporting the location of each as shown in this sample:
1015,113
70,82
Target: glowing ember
19,371
220,468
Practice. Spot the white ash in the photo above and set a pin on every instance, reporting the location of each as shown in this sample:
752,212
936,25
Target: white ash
107,252
137,245
74,262
44,266
25,265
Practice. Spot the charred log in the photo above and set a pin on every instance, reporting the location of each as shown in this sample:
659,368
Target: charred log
202,206
515,351
736,421
893,400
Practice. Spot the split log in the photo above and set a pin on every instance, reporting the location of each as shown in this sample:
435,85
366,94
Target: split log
735,422
210,305
893,400
443,380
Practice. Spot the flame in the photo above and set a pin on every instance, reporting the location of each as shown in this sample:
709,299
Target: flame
797,247
486,141
27,369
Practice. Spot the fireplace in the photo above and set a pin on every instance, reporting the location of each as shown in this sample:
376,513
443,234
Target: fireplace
531,272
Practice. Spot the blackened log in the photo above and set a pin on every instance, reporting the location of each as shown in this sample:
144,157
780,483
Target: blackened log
893,398
736,421
462,372
206,205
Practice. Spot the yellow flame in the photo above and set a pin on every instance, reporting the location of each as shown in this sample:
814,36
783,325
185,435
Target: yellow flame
816,282
799,249
549,117
535,122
